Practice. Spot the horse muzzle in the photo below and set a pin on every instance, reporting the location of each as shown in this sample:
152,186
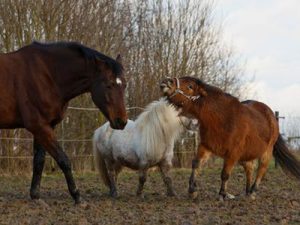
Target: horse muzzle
166,86
118,124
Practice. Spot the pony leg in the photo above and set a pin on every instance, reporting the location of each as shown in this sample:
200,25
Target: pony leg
261,171
165,173
198,162
112,176
142,180
38,166
248,167
45,136
227,168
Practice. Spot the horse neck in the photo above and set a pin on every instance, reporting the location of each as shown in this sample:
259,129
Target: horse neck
215,112
72,78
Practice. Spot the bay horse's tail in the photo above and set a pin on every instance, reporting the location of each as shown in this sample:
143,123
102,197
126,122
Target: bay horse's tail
285,158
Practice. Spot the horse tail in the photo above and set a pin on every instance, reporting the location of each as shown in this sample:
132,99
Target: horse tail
99,162
285,158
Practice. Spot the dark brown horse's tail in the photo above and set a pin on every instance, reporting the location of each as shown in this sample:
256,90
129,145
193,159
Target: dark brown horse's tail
285,158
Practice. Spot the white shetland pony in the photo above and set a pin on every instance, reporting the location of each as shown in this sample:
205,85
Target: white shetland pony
146,142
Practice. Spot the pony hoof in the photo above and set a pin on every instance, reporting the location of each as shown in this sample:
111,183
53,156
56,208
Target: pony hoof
193,195
114,194
227,196
252,196
140,195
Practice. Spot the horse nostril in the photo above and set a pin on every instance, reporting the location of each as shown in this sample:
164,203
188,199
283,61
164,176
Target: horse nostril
119,123
163,85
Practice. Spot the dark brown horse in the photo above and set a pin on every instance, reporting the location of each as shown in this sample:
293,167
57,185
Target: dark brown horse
239,132
36,83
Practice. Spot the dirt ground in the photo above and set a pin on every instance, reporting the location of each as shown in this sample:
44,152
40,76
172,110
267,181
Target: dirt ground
277,202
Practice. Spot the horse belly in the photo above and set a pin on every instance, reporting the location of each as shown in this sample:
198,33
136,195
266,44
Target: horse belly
9,115
253,151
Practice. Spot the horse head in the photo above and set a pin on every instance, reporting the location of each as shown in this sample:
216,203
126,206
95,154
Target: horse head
182,91
108,91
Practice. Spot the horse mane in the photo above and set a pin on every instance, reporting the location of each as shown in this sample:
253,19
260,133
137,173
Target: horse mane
159,124
209,88
86,52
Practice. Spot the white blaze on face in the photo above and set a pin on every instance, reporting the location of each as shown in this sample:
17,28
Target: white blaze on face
118,81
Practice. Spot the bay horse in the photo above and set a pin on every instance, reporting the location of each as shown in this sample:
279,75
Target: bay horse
144,143
239,132
36,84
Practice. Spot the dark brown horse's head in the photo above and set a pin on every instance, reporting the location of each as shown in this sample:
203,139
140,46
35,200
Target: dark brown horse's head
108,91
182,91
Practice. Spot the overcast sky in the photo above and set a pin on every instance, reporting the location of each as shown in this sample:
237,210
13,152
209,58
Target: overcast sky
267,34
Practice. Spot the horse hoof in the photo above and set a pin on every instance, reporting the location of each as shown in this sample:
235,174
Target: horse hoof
114,194
140,195
83,205
171,194
227,196
41,204
34,195
193,195
252,196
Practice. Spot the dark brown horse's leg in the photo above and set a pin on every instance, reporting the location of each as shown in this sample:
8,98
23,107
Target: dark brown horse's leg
38,166
164,171
261,171
142,180
201,158
46,137
248,167
227,168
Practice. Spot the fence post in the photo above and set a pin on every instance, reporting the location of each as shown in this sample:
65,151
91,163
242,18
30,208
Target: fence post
277,118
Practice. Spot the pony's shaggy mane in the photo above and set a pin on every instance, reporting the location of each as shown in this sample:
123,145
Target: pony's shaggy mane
158,123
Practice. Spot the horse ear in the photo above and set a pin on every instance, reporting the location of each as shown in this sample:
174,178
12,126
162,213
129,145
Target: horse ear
119,59
202,92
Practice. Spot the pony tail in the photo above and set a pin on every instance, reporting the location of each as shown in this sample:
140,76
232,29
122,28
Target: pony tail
100,163
285,158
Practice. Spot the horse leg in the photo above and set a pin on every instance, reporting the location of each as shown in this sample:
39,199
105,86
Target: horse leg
38,166
164,168
261,171
45,136
142,180
198,162
112,176
248,167
227,168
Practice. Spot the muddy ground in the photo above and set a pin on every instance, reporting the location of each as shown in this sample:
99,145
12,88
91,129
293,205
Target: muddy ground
278,201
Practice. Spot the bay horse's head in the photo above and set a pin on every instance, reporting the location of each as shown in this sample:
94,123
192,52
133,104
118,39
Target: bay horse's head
108,90
182,91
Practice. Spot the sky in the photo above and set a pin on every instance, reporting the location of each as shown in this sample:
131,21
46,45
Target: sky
266,33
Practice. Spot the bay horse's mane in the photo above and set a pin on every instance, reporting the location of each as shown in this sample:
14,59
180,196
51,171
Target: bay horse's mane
87,53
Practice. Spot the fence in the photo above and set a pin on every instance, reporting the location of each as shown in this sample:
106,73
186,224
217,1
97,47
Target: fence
16,146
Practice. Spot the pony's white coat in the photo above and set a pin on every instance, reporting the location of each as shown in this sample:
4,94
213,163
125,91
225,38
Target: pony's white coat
143,143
